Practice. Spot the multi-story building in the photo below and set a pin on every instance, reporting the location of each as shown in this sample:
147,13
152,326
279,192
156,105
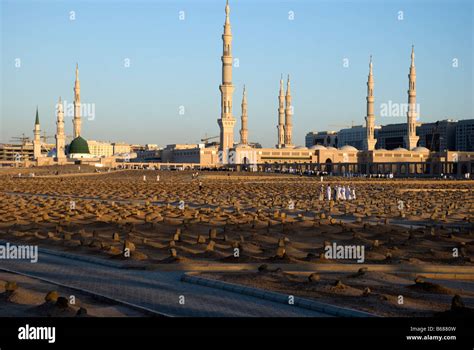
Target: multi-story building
137,148
22,151
324,138
121,148
392,136
100,149
151,153
16,152
465,135
438,136
449,134
354,136
182,153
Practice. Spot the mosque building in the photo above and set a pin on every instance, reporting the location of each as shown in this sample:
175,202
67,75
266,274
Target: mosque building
412,160
78,149
230,153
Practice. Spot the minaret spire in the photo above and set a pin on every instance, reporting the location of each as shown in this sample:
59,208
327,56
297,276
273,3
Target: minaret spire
411,139
370,118
37,137
227,14
288,115
60,137
244,119
37,121
281,115
226,121
77,105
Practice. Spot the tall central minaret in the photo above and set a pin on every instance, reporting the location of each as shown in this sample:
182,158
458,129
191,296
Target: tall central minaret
77,105
60,137
288,115
370,118
244,128
411,138
37,137
281,116
226,121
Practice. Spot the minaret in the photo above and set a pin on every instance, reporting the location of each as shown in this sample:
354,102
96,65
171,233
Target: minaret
370,118
226,121
244,130
37,137
288,115
411,138
77,105
60,137
281,116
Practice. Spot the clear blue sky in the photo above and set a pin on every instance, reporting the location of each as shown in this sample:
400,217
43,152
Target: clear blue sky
177,63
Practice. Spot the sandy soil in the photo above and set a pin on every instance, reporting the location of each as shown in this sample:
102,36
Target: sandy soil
29,300
117,209
250,212
370,291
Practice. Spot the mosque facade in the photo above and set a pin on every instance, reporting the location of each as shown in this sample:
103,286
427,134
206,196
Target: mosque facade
412,160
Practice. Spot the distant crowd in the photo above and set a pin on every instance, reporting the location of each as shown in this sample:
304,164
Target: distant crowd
339,192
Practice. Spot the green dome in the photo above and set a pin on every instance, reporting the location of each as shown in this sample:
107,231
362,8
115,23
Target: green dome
79,146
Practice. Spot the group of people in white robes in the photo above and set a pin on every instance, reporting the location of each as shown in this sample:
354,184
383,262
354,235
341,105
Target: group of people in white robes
339,193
